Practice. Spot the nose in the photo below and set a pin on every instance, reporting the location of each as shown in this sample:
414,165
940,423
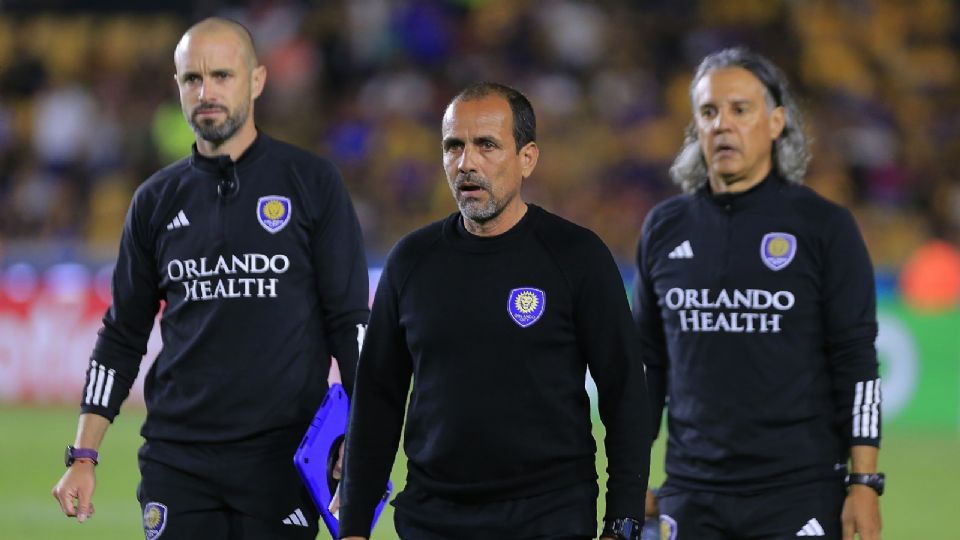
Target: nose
722,121
467,160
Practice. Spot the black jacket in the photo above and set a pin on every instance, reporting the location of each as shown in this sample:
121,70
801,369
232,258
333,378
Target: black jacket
259,283
758,318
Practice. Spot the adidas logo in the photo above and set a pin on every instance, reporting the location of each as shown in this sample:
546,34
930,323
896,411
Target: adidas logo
683,251
812,528
179,221
296,518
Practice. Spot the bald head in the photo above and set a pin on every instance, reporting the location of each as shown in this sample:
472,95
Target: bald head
221,29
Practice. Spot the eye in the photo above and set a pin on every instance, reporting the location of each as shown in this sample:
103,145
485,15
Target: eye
454,146
707,113
488,145
191,78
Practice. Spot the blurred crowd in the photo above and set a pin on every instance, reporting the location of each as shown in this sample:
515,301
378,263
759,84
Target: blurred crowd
89,109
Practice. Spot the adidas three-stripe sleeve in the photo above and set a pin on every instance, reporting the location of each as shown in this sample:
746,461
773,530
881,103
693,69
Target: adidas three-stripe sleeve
122,340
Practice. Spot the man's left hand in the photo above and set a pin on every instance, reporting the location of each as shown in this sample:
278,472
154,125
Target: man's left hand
861,513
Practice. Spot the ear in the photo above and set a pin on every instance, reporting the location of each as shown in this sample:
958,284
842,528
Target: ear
778,120
529,155
258,80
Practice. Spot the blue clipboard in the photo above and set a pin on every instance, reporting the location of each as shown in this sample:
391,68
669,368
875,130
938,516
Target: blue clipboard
317,455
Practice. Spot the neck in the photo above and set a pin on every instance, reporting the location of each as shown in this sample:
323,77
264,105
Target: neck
510,216
234,147
734,184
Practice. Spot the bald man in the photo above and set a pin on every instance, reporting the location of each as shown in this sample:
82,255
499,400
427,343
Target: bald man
254,248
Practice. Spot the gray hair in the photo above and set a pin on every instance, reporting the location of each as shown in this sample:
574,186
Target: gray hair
791,153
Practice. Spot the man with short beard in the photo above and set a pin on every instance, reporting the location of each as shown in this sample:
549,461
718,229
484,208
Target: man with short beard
495,313
254,249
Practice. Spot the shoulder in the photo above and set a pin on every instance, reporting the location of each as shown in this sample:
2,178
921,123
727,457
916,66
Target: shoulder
668,212
285,153
567,241
165,180
554,229
414,245
815,208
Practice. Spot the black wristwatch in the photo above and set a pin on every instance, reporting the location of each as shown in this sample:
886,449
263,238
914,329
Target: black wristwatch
622,528
875,480
72,454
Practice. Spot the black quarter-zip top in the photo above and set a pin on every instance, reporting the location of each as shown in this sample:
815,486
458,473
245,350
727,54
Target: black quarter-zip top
757,315
260,267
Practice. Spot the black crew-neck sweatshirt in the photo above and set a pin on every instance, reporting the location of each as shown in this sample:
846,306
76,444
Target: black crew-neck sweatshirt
497,410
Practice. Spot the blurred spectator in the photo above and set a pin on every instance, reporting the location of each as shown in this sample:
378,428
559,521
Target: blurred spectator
82,118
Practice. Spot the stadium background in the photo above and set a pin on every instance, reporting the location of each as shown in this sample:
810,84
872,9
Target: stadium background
88,109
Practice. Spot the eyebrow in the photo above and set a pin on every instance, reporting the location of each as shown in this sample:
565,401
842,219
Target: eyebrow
450,141
213,72
735,101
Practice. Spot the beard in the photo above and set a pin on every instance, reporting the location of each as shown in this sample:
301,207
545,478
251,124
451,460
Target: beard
474,209
208,130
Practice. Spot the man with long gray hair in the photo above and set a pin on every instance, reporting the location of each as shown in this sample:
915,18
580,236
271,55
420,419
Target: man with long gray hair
756,305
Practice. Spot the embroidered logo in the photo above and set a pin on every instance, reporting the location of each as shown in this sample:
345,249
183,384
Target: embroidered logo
777,250
273,212
296,518
154,519
526,305
683,251
812,528
668,528
180,220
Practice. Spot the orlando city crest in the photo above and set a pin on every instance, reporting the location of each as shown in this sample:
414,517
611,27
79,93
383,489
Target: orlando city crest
154,519
777,250
273,212
668,528
525,305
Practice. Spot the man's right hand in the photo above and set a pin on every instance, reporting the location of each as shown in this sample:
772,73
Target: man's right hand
74,491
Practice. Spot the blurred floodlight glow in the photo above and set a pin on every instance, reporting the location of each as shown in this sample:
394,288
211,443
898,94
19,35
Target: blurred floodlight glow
67,282
102,282
20,282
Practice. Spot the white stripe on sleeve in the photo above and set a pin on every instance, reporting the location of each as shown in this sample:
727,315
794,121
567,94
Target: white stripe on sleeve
875,411
857,402
105,401
101,379
92,376
867,406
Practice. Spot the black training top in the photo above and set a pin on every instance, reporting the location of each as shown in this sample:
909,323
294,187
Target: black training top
758,318
497,334
261,282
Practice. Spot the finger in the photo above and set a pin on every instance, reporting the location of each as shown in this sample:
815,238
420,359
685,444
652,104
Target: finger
848,530
871,534
85,509
335,502
65,498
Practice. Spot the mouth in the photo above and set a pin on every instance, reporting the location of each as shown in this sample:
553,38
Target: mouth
208,111
724,150
470,186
